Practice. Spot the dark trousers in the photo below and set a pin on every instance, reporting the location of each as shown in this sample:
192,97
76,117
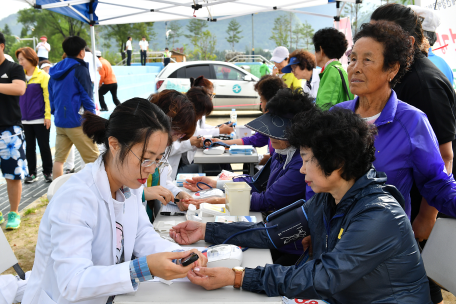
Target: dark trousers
105,88
143,56
166,61
32,134
42,58
128,57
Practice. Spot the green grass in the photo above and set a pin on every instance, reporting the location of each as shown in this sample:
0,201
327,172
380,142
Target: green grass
30,211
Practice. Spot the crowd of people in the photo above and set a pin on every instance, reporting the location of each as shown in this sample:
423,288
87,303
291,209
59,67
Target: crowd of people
366,154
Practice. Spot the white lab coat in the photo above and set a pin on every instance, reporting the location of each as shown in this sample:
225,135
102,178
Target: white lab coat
315,84
76,249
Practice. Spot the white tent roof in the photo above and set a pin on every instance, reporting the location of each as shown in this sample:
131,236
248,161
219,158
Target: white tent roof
134,11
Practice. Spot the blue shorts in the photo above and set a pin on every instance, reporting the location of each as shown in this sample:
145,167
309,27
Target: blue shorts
12,153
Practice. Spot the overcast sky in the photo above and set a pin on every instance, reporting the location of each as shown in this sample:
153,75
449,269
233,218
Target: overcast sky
10,7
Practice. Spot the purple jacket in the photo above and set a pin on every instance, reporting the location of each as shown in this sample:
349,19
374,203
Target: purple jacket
258,140
35,102
407,150
285,186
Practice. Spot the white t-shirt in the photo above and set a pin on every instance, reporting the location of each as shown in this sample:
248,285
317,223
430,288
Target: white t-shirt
42,52
89,59
119,208
143,45
128,45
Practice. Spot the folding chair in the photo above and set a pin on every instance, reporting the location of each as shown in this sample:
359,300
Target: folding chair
439,254
7,257
56,184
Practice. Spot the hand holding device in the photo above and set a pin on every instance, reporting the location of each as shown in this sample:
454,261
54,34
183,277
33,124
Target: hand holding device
193,257
188,232
161,265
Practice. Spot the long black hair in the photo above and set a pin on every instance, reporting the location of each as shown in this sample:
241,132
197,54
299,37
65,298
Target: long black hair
132,122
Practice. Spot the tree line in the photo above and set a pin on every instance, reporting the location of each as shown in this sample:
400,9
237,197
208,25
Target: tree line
288,31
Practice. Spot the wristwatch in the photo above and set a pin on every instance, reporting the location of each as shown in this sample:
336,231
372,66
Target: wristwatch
238,272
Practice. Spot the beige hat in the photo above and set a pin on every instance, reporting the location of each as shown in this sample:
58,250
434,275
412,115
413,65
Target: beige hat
431,20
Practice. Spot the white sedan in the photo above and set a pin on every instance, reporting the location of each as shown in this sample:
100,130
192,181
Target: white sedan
233,86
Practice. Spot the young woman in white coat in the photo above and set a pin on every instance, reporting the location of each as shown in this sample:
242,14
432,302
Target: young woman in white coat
96,223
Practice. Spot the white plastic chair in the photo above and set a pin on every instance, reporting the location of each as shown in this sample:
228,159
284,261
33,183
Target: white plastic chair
439,254
7,257
56,184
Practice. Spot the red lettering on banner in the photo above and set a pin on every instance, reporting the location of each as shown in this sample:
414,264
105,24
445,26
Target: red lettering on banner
453,36
299,301
445,38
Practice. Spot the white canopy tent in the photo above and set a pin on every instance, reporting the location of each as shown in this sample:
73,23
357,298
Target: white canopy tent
101,12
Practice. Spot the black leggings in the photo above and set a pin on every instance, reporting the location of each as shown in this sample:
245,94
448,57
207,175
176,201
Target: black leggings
33,133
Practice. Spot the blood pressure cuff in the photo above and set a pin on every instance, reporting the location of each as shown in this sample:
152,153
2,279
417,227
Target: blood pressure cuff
207,143
291,224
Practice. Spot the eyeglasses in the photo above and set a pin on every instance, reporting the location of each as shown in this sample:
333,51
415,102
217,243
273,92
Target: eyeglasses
211,95
148,162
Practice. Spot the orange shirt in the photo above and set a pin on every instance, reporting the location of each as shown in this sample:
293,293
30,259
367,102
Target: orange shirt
106,74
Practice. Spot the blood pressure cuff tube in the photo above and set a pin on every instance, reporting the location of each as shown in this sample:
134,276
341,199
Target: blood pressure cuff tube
207,143
291,224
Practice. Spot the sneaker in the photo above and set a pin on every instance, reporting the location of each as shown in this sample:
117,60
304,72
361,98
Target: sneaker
68,171
2,219
30,179
14,221
48,177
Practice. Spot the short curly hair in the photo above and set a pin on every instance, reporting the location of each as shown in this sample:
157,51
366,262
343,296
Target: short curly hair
268,85
306,59
332,41
397,46
288,103
339,139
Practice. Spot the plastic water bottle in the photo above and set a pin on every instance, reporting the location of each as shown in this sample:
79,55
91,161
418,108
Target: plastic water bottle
233,117
192,215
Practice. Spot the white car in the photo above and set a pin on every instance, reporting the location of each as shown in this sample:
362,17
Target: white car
233,86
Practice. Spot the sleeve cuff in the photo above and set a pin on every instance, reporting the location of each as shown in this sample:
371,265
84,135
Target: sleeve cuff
249,276
139,270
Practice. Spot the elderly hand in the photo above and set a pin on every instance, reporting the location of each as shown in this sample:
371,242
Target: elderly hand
188,232
209,200
190,184
159,193
212,278
264,160
422,227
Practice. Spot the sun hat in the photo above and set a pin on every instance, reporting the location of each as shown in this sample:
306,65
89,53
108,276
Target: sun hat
431,20
44,38
288,69
273,126
98,53
279,54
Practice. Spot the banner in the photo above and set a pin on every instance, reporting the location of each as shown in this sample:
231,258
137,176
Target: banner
445,46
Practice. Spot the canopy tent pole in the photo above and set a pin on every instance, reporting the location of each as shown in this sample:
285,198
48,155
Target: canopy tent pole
94,63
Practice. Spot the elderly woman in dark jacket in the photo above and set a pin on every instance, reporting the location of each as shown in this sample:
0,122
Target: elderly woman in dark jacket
363,246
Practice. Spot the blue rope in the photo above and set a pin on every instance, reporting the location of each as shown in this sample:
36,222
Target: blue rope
197,184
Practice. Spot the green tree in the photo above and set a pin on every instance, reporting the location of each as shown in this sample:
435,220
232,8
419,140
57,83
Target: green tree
297,34
280,31
233,32
176,29
307,33
120,33
204,45
55,26
195,27
9,40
